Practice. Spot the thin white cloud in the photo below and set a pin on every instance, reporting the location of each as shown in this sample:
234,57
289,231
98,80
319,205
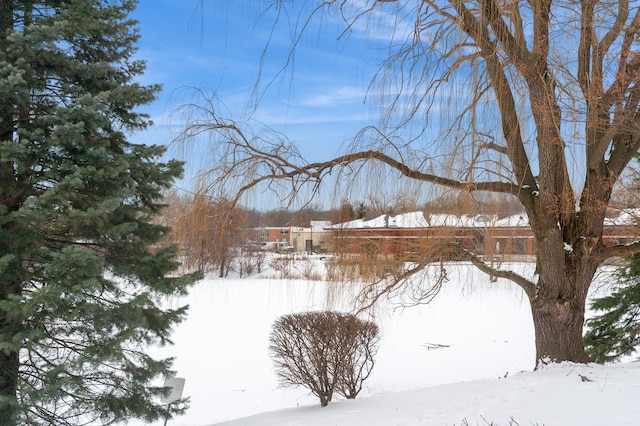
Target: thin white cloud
330,98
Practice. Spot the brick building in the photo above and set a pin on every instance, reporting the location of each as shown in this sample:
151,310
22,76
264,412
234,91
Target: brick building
414,233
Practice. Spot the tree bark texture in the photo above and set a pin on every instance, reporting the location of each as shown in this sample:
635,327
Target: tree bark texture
558,326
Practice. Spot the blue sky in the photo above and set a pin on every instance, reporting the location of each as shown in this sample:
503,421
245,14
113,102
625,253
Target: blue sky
319,101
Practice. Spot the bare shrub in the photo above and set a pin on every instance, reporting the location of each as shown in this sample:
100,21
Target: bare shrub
282,264
325,352
248,262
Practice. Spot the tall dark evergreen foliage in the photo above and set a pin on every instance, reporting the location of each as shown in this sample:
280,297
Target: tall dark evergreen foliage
81,289
615,331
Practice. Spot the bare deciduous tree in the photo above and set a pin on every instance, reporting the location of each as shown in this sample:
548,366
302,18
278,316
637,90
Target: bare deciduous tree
209,231
537,100
325,352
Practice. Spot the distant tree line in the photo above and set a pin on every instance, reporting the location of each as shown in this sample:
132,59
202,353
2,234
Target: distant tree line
346,210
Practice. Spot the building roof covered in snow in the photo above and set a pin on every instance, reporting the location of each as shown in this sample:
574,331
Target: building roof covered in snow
628,217
419,220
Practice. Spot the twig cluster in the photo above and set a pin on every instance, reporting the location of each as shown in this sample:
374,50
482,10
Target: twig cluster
325,352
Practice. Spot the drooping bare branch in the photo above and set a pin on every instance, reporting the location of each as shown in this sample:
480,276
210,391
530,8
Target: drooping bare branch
248,161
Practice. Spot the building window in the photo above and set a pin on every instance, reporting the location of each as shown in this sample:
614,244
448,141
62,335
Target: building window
519,246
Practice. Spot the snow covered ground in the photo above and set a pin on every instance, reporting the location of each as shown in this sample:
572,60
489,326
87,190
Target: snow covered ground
554,396
464,359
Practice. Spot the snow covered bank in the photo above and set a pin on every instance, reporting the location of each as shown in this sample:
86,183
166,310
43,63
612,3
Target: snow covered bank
562,395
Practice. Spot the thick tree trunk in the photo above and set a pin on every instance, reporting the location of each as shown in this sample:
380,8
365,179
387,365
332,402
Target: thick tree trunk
558,330
566,264
558,307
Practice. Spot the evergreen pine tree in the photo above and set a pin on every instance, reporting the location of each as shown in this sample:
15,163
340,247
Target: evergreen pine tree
615,331
81,288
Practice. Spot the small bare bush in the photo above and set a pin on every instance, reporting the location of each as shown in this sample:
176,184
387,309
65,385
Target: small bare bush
282,264
325,352
248,262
